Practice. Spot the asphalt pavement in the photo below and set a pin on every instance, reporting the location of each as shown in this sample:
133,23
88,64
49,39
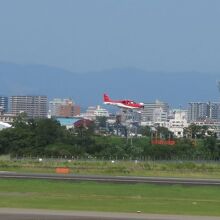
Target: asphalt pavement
112,179
35,214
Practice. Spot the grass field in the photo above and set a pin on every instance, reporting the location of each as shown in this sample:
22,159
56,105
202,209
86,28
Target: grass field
124,168
91,196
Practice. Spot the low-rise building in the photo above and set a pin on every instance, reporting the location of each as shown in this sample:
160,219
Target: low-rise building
6,117
4,125
67,122
95,111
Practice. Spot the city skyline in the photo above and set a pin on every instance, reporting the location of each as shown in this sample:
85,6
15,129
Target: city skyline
153,114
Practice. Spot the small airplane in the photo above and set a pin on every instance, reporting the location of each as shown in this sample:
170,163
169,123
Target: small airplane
126,104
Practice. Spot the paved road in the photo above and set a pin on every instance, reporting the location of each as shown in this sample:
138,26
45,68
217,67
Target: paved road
113,179
34,214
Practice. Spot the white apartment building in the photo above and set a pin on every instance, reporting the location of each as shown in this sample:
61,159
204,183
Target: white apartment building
178,122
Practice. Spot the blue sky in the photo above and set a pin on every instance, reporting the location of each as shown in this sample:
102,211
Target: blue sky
94,35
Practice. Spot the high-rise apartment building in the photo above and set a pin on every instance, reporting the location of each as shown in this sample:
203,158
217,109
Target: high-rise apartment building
198,111
215,111
54,106
159,115
3,104
63,108
149,110
34,106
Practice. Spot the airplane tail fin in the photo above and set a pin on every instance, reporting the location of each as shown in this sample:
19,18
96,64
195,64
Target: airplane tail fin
106,98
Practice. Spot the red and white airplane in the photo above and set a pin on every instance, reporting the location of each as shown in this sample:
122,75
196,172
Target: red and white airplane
126,104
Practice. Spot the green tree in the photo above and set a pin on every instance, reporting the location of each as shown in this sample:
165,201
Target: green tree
47,131
101,121
196,131
145,131
164,132
21,121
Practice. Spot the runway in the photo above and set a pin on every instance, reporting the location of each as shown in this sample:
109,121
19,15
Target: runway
35,214
112,179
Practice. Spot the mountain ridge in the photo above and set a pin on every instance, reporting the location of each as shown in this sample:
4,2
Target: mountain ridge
87,88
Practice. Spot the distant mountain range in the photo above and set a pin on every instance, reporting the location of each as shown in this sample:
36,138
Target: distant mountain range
87,88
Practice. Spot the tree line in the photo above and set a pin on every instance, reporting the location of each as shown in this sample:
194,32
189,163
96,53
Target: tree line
47,138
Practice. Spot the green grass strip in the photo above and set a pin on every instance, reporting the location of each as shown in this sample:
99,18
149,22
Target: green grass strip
118,168
90,196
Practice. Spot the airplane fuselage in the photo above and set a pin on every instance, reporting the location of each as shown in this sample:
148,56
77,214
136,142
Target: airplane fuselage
126,104
122,105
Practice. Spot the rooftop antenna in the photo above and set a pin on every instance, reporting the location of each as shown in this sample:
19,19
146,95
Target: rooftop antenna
218,85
